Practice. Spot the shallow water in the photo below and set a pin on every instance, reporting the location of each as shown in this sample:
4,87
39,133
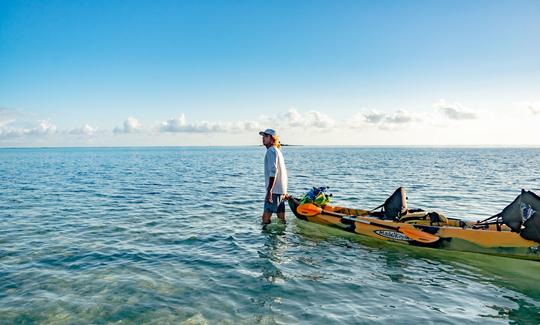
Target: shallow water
172,235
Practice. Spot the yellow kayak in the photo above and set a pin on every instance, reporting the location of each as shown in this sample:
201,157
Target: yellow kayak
440,232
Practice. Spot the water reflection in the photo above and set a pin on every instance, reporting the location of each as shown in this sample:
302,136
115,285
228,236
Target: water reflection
271,253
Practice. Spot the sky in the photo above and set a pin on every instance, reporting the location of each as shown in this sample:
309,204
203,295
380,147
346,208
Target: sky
159,73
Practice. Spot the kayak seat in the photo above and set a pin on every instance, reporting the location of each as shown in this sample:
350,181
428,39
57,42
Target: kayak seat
377,214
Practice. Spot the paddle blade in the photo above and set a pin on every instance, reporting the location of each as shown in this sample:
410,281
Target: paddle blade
419,235
308,209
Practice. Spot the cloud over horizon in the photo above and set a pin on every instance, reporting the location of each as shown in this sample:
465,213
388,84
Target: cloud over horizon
18,125
454,111
295,119
384,121
291,119
131,125
180,125
9,130
86,130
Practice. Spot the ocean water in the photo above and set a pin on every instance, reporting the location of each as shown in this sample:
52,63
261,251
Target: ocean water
173,236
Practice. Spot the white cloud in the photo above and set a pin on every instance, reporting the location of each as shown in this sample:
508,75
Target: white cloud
86,130
180,125
250,126
294,119
534,110
373,117
385,121
454,111
399,117
131,125
15,124
291,119
299,126
42,128
318,120
173,125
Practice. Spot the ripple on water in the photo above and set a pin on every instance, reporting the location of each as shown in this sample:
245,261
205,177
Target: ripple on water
172,235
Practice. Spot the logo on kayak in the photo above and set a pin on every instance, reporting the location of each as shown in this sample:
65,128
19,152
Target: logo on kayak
391,234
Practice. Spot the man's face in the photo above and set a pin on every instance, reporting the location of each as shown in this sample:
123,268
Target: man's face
266,140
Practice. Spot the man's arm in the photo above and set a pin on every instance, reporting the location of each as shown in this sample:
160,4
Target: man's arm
271,181
272,172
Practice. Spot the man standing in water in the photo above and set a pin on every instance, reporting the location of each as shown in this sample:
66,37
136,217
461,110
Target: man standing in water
275,177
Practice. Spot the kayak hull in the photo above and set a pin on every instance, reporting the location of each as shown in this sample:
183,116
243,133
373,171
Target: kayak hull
466,239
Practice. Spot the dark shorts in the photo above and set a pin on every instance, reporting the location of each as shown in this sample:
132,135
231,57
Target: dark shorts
277,205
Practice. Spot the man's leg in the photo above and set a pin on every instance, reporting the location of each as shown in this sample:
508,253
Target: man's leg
266,217
281,208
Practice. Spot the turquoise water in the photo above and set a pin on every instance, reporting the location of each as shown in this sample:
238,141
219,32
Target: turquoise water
173,236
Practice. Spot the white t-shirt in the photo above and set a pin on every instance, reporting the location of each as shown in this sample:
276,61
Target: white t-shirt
274,166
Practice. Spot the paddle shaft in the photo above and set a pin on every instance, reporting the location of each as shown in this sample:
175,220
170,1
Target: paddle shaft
310,209
351,218
412,233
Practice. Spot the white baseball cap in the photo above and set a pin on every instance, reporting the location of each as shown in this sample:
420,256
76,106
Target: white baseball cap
271,132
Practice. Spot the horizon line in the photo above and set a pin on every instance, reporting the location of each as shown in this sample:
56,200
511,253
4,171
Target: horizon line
511,146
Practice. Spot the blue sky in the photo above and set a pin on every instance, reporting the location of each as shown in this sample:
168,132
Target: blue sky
196,73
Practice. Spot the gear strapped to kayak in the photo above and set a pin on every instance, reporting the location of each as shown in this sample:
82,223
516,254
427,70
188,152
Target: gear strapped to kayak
515,232
522,216
317,196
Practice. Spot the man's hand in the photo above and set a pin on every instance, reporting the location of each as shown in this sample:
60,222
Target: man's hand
269,197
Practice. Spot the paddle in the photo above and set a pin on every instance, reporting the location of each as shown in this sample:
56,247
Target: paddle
310,209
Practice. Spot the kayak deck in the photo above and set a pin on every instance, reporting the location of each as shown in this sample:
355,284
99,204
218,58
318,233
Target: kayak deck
454,234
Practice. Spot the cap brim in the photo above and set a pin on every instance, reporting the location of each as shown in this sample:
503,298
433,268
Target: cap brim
262,133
